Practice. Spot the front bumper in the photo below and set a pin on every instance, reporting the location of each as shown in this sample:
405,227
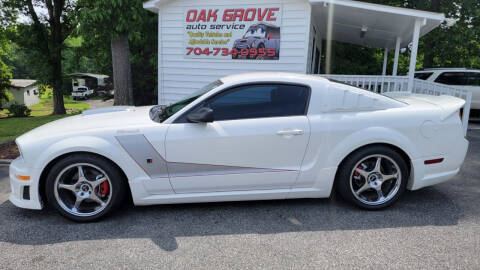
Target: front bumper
24,194
428,175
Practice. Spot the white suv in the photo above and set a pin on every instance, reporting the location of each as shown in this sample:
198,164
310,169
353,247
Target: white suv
461,78
82,93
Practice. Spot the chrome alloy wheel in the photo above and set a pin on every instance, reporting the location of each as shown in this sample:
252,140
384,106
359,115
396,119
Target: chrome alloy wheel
375,179
83,189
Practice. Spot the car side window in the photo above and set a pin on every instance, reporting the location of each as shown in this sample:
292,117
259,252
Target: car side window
473,79
452,78
260,101
423,76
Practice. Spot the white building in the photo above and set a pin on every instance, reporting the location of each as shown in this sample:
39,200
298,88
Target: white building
196,40
23,92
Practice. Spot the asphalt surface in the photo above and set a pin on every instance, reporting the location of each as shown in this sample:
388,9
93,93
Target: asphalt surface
434,228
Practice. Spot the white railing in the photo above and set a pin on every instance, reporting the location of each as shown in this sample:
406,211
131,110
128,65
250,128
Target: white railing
399,84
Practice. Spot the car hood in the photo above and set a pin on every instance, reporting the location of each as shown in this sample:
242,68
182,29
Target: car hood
101,119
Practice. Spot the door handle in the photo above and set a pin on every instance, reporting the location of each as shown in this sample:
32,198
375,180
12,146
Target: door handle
290,132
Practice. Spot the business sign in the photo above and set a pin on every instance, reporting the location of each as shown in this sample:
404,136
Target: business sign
247,32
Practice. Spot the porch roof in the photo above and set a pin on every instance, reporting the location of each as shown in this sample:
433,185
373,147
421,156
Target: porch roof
381,24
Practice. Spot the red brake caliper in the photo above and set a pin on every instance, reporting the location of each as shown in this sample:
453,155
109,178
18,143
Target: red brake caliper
356,174
104,188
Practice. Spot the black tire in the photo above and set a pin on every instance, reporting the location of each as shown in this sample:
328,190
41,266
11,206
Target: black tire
116,180
345,176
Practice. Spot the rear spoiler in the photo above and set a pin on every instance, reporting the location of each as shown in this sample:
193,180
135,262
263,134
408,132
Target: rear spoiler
449,105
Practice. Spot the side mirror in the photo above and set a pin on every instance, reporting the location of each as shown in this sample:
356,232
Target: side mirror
203,115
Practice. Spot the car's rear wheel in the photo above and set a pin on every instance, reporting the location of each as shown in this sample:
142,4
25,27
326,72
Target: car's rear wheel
373,177
84,187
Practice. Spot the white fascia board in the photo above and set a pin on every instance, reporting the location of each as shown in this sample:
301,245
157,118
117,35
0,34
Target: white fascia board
387,9
151,6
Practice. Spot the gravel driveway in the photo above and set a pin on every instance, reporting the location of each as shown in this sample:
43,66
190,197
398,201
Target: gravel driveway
98,103
434,228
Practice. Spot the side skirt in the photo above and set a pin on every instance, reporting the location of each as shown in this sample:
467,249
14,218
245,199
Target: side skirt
252,195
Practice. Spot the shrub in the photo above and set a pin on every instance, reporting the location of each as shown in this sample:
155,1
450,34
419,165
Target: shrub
46,92
19,110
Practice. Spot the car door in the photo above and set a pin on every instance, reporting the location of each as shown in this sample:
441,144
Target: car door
473,84
256,142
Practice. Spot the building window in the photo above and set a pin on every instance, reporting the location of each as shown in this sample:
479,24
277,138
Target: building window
28,92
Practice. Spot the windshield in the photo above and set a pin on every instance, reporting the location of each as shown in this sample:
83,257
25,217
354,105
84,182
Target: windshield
255,31
159,115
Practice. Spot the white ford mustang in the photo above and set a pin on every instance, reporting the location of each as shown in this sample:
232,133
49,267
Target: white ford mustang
255,136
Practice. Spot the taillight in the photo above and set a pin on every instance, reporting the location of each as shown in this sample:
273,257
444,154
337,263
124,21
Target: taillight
460,113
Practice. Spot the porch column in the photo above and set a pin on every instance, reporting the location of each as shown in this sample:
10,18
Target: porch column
160,95
397,55
328,50
385,61
413,55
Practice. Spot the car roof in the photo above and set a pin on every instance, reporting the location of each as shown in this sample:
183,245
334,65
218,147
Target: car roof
273,77
265,24
447,69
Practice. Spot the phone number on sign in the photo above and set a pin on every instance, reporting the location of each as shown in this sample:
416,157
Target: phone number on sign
253,52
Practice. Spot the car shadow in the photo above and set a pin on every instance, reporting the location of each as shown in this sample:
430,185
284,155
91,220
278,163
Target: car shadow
163,224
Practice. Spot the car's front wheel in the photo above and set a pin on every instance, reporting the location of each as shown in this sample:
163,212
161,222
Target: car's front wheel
84,187
373,177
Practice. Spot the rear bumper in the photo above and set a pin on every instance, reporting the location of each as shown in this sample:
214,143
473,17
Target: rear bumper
24,194
428,175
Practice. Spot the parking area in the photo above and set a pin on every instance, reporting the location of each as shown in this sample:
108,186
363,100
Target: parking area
98,103
434,228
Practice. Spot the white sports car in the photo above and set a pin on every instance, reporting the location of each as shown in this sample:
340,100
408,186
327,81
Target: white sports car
255,136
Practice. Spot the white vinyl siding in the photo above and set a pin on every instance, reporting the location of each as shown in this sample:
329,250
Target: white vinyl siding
181,76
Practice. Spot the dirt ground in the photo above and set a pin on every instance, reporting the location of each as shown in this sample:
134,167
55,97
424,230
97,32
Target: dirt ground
9,151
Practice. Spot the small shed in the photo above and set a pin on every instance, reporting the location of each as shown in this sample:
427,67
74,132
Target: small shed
23,92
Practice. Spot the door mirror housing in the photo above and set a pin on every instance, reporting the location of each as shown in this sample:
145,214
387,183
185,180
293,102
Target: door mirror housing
203,115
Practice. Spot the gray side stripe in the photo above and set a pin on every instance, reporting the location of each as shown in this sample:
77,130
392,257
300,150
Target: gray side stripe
191,169
140,149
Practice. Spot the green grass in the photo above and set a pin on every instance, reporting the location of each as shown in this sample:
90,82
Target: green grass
45,107
12,127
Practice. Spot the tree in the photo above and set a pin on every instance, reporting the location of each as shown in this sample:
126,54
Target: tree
115,22
45,36
450,45
5,74
5,77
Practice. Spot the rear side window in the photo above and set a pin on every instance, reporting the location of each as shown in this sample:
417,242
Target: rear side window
473,79
423,76
260,101
452,78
